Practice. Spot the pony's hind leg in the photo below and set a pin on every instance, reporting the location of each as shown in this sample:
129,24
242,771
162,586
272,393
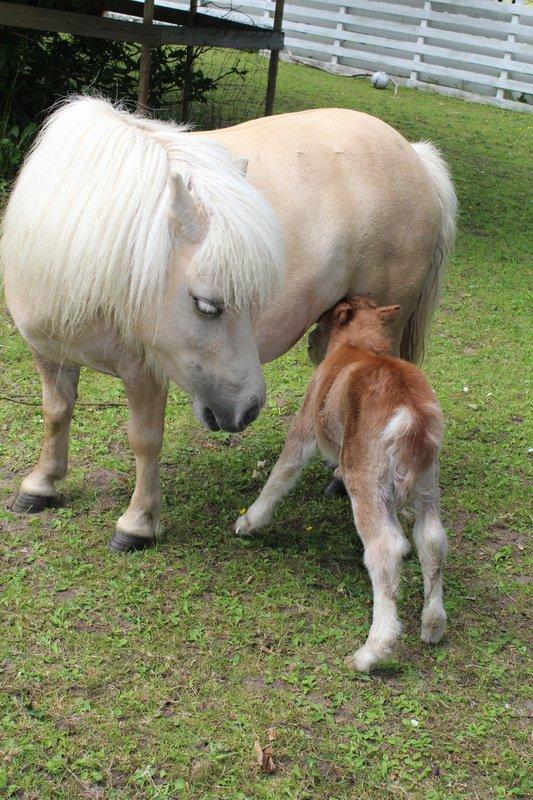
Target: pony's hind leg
38,489
138,527
432,544
385,546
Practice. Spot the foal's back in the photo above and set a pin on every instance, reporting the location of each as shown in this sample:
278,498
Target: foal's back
362,398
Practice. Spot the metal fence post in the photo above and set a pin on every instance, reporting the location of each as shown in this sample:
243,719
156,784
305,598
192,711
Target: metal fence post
274,60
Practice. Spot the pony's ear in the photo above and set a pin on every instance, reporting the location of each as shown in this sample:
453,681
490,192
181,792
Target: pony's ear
388,313
241,165
343,314
187,215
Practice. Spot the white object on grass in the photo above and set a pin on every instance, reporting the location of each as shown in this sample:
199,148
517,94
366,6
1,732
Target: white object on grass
379,80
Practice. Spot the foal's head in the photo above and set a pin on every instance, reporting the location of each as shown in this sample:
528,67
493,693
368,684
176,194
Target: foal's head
357,321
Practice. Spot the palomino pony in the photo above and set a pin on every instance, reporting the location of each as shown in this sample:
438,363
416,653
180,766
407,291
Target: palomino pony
143,251
377,419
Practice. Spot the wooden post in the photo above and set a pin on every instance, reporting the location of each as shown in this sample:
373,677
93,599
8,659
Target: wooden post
338,42
144,70
189,66
413,78
504,74
274,60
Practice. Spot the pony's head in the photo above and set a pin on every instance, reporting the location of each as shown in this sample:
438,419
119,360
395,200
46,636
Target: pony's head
137,224
202,337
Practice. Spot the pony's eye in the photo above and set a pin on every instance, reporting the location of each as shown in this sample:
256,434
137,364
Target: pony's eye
207,307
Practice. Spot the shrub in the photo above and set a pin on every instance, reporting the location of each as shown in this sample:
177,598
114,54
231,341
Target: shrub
39,69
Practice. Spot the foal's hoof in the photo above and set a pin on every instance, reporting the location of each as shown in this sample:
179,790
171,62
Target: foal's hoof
33,503
129,543
336,489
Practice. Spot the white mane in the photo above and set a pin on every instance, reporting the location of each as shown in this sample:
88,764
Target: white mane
88,226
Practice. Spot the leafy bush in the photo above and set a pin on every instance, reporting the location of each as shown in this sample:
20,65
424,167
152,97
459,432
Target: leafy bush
38,69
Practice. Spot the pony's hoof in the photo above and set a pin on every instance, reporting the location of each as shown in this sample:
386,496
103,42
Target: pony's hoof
129,543
33,503
432,631
336,489
363,660
242,526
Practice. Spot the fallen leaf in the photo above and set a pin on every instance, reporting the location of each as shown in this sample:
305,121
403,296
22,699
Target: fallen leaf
265,760
272,733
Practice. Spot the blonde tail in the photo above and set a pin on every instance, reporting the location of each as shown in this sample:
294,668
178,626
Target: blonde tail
417,327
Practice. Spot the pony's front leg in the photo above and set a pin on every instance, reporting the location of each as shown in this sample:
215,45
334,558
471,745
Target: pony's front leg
60,390
298,450
138,527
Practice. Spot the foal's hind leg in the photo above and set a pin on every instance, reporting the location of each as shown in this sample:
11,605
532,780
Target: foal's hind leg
60,385
385,546
432,544
138,527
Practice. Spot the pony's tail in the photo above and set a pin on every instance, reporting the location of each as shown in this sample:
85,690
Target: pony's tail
417,326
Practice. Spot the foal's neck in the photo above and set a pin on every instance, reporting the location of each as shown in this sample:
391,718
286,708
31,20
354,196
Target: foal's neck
368,341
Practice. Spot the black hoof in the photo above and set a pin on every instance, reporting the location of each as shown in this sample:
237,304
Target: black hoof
128,543
336,489
33,503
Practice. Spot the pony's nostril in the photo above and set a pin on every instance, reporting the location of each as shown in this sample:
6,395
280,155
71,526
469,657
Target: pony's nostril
209,419
251,414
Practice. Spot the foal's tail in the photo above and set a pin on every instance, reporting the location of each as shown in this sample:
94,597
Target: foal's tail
417,326
411,440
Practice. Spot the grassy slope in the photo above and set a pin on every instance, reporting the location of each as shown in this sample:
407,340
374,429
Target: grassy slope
151,676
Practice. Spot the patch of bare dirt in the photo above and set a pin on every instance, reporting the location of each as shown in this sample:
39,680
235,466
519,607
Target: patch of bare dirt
103,477
92,627
344,716
259,684
501,536
65,595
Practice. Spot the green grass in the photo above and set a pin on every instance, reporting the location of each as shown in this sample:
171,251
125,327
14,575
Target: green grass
151,676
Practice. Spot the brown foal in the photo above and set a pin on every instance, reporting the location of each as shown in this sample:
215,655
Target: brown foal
377,418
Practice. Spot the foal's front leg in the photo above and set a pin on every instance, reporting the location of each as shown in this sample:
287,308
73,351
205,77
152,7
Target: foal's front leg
138,527
60,385
297,452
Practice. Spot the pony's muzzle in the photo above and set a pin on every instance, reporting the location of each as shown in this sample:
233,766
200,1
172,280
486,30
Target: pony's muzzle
226,420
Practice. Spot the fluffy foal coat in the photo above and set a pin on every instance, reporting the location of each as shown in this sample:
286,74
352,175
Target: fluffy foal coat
377,418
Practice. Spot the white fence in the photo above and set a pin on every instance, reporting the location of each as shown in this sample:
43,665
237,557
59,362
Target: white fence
481,49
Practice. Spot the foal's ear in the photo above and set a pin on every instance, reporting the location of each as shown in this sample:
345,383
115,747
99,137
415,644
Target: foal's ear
388,313
187,215
343,314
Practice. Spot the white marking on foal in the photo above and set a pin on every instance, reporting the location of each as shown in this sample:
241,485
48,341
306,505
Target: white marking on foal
398,425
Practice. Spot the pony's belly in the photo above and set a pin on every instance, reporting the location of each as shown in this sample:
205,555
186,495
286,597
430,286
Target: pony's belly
358,213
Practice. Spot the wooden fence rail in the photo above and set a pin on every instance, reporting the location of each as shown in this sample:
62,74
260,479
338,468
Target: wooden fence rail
480,49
